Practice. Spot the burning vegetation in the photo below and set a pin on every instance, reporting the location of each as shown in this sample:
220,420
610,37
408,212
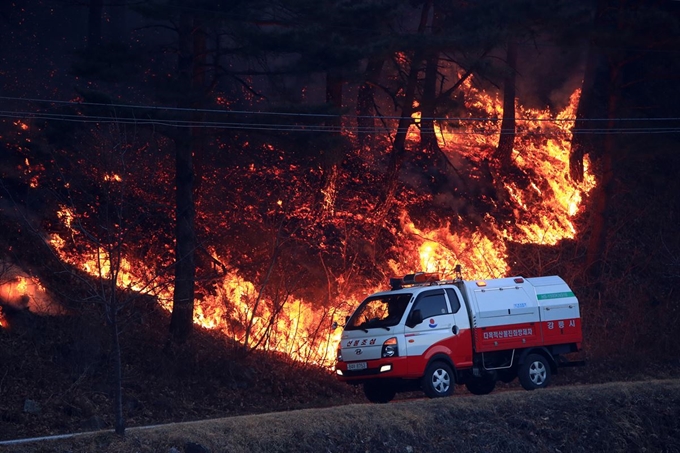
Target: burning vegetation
281,263
256,169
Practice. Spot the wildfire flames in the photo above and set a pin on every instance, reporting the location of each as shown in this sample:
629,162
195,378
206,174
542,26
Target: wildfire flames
22,292
302,329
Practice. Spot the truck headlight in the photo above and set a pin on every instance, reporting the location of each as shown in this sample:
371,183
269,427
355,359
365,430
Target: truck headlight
390,348
339,355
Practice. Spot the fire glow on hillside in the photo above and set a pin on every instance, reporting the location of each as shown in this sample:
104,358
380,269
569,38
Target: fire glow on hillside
22,292
301,328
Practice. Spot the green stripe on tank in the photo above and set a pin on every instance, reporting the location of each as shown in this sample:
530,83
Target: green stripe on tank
555,295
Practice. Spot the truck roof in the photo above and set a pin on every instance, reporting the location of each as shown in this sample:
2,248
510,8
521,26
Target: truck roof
420,280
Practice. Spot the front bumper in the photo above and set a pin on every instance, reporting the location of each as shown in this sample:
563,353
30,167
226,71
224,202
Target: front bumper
393,367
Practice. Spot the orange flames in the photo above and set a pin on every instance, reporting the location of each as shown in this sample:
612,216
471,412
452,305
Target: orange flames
542,145
23,293
301,329
438,250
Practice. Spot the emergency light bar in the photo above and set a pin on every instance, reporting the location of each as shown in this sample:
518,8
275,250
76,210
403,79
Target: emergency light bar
418,278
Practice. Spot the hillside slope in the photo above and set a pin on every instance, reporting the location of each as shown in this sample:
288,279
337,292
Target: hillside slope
619,417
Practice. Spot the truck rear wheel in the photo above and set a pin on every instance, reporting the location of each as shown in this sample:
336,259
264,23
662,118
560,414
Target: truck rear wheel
534,373
379,391
438,380
481,386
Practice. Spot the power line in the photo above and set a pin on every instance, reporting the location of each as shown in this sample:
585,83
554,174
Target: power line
292,127
316,115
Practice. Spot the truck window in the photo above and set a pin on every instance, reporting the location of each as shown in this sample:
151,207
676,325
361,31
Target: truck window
431,303
380,311
453,300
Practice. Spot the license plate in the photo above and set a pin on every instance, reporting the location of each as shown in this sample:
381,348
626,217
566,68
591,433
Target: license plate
357,366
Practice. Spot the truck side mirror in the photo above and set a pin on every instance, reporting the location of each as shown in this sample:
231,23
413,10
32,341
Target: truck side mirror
415,318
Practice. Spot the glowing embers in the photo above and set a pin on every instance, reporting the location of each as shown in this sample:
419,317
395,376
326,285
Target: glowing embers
33,173
329,191
65,214
21,125
112,177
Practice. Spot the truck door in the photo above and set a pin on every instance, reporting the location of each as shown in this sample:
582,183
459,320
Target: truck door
461,343
432,332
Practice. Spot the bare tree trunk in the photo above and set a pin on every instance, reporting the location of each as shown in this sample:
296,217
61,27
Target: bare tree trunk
399,144
506,142
398,147
190,69
428,138
334,86
603,192
602,155
185,269
366,102
581,141
119,419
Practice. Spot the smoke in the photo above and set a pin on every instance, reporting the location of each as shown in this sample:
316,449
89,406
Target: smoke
547,76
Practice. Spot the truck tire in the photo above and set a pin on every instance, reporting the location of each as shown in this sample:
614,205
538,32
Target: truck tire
481,386
534,373
438,380
379,391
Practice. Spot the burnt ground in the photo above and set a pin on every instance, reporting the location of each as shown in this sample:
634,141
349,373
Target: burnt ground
56,378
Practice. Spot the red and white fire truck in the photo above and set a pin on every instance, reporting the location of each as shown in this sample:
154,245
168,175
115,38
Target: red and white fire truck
430,334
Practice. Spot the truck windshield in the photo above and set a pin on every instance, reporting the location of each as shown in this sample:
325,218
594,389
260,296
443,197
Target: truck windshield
379,311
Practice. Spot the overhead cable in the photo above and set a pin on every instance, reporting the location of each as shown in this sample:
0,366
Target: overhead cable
317,115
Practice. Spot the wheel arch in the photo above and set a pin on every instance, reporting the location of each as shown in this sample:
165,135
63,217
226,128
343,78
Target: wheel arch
543,351
441,357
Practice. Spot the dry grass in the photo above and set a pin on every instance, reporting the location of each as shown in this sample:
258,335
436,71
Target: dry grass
613,417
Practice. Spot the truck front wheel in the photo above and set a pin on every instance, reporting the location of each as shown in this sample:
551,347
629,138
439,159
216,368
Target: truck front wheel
379,391
534,373
438,380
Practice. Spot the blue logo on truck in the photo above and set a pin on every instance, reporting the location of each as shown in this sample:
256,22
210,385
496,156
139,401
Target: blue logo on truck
432,324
